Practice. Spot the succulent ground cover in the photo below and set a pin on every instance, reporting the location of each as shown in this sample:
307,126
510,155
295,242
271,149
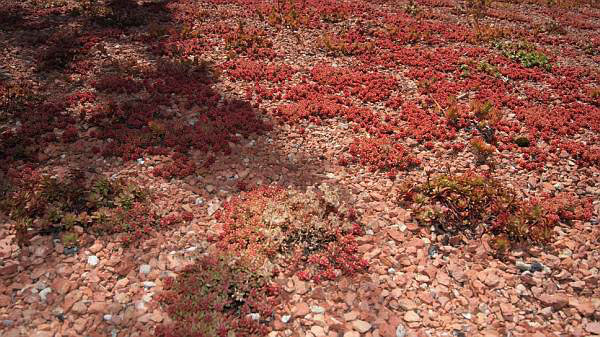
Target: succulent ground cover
299,168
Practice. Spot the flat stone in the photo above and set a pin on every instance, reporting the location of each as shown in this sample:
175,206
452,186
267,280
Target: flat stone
301,309
585,307
522,266
557,301
351,334
43,334
96,247
407,304
489,276
350,316
411,316
507,310
361,326
98,307
92,260
61,285
79,308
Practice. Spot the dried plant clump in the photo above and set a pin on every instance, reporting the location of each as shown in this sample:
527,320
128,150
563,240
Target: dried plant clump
310,232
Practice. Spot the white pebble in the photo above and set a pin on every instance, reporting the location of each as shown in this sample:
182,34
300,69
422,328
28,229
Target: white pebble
145,268
92,260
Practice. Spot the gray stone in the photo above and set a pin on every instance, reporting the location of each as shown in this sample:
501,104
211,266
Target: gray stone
285,318
536,266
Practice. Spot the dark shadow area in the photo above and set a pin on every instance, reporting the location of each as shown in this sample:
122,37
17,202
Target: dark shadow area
157,103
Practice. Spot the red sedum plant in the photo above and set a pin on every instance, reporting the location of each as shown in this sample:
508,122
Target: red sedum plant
217,296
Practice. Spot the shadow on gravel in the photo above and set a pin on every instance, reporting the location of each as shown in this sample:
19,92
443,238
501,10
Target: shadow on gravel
85,99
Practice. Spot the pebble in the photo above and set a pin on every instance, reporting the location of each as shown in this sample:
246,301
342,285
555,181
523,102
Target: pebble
199,201
149,284
148,297
522,266
536,266
361,326
432,251
411,316
45,293
93,260
285,318
254,316
70,250
521,290
107,317
8,322
317,309
391,271
145,268
400,331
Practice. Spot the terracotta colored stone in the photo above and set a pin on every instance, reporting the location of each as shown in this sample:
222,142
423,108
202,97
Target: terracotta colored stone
4,301
98,307
61,285
300,310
